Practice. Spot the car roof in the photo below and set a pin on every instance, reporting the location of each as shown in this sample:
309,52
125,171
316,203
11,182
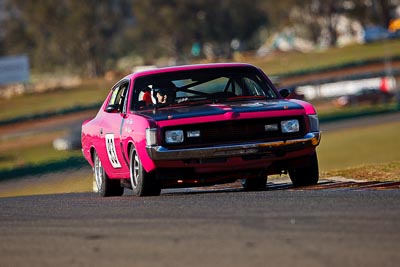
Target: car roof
185,68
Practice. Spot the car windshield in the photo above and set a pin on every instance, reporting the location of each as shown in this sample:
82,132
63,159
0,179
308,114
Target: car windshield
200,86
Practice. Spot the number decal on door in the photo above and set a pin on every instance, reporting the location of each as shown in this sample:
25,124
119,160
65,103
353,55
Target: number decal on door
112,154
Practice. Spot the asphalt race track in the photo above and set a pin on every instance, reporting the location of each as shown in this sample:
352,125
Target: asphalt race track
341,223
336,223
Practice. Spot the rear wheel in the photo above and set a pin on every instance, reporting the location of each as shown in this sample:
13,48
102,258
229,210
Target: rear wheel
142,182
106,187
306,175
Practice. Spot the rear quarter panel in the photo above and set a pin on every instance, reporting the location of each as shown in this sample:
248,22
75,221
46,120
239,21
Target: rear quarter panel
90,137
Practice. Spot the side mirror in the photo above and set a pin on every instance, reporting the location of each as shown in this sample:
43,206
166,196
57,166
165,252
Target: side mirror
284,92
112,108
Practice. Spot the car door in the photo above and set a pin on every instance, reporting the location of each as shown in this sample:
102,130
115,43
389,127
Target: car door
110,131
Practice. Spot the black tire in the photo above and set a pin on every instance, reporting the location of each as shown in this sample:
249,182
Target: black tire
106,187
142,182
255,184
307,175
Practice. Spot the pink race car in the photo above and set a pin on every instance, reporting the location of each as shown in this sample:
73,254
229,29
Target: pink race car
199,125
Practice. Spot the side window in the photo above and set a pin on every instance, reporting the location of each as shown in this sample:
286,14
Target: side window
234,87
117,100
254,88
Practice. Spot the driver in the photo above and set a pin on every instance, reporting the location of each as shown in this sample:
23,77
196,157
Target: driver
164,95
161,96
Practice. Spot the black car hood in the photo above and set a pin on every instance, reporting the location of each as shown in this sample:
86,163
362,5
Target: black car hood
180,112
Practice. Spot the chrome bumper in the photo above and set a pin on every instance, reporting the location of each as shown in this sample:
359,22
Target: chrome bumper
161,153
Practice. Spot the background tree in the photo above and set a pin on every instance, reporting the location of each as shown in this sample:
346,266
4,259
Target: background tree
88,36
71,33
374,12
171,27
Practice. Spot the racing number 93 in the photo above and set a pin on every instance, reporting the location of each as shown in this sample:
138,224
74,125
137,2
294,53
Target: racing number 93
112,154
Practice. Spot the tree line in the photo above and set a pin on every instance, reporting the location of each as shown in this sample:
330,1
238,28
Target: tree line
89,36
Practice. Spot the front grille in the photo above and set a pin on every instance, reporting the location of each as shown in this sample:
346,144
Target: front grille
237,131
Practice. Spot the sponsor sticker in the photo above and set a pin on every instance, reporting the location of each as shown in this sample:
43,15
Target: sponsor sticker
112,154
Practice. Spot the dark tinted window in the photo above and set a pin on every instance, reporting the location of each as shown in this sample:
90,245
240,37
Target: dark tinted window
214,85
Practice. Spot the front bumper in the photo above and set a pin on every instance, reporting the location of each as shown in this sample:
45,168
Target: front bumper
161,153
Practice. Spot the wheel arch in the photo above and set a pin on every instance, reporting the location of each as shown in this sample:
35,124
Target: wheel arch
129,148
92,150
140,148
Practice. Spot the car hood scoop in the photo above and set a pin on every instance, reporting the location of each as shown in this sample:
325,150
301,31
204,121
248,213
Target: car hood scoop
231,108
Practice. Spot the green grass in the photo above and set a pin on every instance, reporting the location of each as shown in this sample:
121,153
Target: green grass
358,146
34,103
33,155
69,184
281,63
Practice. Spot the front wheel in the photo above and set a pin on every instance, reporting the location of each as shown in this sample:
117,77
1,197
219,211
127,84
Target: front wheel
258,183
308,175
106,187
142,182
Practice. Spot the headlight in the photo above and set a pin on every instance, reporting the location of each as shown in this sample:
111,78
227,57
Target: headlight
290,126
151,136
174,136
314,123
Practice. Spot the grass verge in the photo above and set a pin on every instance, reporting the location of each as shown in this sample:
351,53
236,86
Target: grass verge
31,155
368,145
69,184
87,94
372,172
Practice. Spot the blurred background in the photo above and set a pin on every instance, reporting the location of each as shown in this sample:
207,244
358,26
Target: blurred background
58,60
